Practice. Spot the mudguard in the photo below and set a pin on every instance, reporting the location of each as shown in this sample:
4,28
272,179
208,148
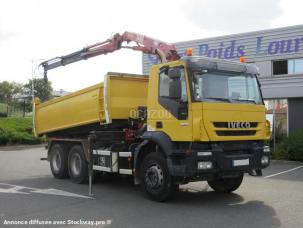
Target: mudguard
159,138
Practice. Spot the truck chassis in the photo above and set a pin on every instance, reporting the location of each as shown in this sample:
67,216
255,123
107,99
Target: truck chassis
157,170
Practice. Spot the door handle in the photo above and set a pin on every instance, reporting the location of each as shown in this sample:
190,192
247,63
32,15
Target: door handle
184,124
159,124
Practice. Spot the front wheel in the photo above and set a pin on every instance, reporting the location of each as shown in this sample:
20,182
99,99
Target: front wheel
155,178
226,185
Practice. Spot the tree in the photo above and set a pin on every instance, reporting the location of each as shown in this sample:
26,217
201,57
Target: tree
42,89
9,91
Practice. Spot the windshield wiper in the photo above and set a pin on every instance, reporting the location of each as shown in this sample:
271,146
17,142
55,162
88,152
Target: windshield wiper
218,99
251,101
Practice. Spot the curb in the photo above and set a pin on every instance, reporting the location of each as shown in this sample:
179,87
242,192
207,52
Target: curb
285,162
20,147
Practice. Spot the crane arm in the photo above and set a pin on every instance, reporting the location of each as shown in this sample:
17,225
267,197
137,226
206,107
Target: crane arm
147,45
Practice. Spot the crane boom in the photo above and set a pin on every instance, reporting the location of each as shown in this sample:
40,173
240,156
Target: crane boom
165,51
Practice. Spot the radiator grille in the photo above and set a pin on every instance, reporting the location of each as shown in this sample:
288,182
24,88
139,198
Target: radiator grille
236,133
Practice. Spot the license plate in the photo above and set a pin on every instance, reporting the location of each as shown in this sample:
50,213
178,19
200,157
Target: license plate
242,162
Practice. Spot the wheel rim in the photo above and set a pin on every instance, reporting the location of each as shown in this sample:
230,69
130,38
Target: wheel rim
76,164
154,177
56,161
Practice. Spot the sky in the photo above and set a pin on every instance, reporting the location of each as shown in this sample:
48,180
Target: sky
35,30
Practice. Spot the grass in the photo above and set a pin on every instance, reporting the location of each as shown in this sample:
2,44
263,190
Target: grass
17,131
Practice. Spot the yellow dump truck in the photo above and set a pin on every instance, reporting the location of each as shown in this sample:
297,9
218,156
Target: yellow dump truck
191,119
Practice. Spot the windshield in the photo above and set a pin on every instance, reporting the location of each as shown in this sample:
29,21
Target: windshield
225,87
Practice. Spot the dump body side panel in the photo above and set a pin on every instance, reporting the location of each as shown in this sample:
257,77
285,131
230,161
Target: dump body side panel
76,109
101,103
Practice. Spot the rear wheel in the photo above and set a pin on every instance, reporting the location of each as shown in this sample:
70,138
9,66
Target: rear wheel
77,165
155,178
58,161
226,185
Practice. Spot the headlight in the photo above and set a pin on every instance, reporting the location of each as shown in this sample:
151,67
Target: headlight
267,129
264,160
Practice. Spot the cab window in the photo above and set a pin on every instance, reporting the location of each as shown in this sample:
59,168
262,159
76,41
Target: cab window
172,92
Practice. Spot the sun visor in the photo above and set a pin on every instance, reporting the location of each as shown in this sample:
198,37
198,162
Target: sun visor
199,62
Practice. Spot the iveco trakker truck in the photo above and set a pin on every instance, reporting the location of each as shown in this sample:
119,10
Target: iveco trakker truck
191,119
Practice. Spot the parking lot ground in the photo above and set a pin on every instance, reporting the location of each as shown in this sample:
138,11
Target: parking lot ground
29,192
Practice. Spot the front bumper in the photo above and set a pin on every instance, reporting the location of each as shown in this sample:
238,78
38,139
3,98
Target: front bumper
226,159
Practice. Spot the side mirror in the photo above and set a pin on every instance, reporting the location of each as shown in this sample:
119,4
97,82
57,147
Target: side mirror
175,89
174,73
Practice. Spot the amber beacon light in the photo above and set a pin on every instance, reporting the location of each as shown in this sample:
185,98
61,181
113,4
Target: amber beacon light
242,59
189,52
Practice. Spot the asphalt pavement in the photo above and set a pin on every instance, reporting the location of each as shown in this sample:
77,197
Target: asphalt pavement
30,197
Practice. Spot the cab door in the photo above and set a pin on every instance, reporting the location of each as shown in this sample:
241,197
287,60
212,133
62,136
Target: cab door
170,112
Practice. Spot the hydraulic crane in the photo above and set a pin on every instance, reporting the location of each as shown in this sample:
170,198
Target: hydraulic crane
165,51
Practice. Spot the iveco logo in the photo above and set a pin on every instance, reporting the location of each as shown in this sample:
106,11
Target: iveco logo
238,125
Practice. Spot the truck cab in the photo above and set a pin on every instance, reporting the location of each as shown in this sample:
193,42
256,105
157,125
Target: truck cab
207,118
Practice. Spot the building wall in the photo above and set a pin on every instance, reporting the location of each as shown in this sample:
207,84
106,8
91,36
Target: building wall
265,68
277,87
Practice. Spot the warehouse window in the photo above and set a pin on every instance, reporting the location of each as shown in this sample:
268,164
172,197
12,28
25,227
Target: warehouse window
291,66
295,66
280,67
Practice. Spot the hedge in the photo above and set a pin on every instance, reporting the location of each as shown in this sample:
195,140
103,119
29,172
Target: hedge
291,147
17,131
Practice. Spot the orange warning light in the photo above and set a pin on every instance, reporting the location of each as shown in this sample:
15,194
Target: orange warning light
189,52
242,59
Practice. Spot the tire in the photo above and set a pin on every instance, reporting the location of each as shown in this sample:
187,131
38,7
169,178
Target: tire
77,165
226,185
156,181
58,161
